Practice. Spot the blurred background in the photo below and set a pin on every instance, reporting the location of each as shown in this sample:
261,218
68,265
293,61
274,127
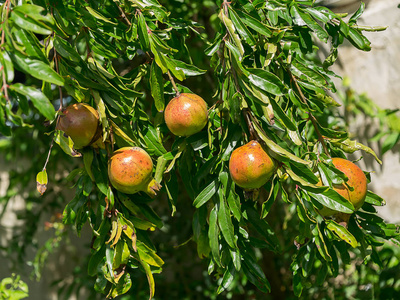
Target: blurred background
51,259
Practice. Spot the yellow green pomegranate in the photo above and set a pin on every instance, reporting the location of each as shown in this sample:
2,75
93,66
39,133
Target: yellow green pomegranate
250,166
356,180
186,114
130,171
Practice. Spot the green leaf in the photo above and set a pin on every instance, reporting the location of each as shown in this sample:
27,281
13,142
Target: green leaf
374,199
206,194
66,144
37,69
350,146
267,81
150,278
283,116
143,33
5,61
225,221
254,24
301,18
66,50
152,140
27,23
147,255
278,149
251,267
118,131
241,28
33,11
39,100
341,232
188,70
307,74
157,86
263,228
99,16
390,141
213,233
358,39
333,200
231,29
95,259
357,14
227,279
321,275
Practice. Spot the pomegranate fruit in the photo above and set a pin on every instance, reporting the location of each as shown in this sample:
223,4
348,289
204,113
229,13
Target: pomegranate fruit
130,171
80,122
250,166
186,114
356,180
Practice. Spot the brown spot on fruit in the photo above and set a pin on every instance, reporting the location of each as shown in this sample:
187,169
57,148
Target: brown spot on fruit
186,114
250,166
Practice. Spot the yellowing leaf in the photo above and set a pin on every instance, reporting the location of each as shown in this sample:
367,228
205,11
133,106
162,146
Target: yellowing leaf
41,182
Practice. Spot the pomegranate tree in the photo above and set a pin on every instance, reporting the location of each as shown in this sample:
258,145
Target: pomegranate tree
186,114
80,122
250,166
130,171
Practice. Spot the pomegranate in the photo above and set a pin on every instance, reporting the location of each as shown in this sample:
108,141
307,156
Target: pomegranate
186,114
80,122
356,180
130,171
250,166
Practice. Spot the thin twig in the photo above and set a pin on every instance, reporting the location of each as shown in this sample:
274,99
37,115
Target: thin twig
311,116
173,83
48,154
124,16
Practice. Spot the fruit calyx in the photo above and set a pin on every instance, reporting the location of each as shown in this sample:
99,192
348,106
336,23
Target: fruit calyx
250,166
81,123
186,114
130,171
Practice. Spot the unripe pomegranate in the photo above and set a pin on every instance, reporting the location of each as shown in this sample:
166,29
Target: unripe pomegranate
130,171
80,122
186,114
356,179
250,166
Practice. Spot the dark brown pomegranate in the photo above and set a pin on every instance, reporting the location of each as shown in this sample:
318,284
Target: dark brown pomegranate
80,122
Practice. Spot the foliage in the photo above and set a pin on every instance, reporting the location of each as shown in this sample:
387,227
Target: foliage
13,288
388,120
255,63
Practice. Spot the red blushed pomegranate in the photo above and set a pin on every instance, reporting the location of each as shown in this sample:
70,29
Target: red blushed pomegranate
356,180
186,114
130,171
80,122
250,166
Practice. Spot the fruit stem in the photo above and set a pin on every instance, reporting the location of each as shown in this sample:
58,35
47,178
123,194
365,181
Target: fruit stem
152,187
247,117
173,83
